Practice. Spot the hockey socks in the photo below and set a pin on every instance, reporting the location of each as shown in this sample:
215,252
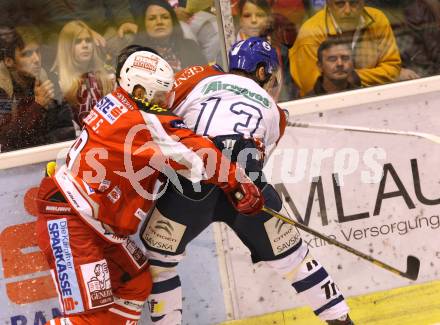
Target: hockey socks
165,300
320,291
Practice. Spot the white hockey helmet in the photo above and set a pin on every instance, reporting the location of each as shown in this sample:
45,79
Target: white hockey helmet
143,67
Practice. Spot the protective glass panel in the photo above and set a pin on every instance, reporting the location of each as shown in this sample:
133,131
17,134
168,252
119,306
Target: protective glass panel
58,58
338,45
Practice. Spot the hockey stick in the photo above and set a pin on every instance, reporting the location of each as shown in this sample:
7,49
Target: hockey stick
412,262
428,136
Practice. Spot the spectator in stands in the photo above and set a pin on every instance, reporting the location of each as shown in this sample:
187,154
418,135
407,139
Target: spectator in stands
105,17
203,24
335,62
110,20
7,33
293,10
29,115
283,34
313,6
420,43
82,77
416,26
25,12
160,30
375,53
256,19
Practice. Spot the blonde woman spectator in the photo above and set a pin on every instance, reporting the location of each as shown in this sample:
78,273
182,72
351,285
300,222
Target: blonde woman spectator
82,77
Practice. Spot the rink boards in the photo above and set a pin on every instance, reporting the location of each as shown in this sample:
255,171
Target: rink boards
27,294
377,193
394,306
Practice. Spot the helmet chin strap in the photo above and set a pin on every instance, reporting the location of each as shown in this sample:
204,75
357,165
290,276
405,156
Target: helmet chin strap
143,101
146,105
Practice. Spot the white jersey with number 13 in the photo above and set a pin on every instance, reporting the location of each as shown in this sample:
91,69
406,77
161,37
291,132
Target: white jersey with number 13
230,104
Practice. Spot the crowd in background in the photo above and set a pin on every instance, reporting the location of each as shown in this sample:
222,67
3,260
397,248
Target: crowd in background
56,56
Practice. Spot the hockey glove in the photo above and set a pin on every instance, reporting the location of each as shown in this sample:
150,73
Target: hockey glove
245,196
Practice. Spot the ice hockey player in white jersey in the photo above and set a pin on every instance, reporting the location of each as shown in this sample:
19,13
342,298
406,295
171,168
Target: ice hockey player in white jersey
242,119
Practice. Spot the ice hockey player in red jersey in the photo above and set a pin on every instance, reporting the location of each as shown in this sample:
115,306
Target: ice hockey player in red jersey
107,185
242,118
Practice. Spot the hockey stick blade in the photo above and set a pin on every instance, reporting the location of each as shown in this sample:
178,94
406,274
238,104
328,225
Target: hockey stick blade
412,267
413,263
428,136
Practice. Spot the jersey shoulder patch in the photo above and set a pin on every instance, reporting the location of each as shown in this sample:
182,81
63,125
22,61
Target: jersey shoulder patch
110,108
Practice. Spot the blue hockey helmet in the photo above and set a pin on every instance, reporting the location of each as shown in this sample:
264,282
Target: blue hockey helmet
246,55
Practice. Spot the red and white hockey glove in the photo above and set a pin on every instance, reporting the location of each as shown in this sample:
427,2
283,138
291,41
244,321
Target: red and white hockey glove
244,196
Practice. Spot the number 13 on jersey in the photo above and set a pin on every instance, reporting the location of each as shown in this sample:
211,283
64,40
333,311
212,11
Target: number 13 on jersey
240,117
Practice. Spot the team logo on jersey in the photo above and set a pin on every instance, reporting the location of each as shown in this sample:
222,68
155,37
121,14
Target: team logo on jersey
65,268
89,189
163,233
135,253
148,63
140,214
282,236
96,279
104,185
110,108
115,194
